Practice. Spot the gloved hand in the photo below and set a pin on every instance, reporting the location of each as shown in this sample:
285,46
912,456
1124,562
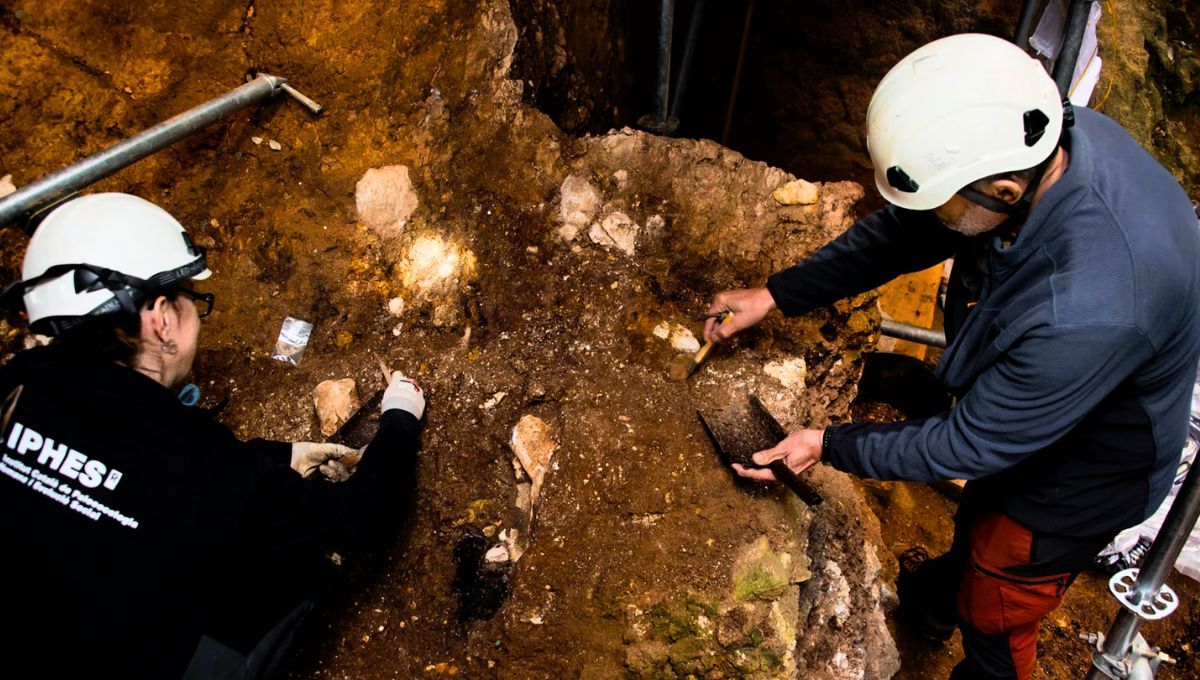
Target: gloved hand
403,393
333,460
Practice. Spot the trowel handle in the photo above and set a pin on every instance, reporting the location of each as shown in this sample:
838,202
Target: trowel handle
699,358
806,493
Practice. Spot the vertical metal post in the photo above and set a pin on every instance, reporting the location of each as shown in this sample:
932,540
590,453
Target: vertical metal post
1029,10
666,24
660,122
1158,563
685,64
737,74
1068,51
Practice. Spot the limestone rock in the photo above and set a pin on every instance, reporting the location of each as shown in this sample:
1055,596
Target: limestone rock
683,340
760,573
532,443
798,192
577,207
336,401
385,198
618,231
791,372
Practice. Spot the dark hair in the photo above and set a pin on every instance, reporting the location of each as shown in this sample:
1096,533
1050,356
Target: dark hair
111,337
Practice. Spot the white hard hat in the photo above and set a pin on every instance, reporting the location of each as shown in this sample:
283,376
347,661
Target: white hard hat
955,111
102,253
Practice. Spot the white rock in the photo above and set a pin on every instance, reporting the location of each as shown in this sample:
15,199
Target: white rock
577,207
532,443
616,230
662,330
494,401
275,146
497,553
336,401
257,140
385,198
790,372
6,185
396,306
622,176
798,192
683,340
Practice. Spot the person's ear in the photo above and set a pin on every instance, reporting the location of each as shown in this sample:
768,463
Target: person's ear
162,318
1007,190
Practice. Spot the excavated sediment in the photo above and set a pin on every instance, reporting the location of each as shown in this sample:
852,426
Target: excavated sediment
642,556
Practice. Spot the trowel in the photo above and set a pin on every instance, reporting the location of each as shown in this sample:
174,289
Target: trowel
360,428
741,430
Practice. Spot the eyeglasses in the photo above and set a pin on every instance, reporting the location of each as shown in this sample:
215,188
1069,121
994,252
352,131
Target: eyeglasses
207,298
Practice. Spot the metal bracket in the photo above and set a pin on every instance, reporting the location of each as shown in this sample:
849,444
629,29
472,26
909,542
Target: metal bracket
1141,662
1162,605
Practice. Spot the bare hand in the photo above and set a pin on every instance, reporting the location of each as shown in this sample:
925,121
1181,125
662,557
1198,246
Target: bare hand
748,305
800,451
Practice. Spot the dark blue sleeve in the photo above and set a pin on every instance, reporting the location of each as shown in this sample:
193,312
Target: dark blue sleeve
287,512
1036,393
887,243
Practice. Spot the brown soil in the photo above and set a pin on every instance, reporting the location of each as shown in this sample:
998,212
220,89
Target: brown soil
639,526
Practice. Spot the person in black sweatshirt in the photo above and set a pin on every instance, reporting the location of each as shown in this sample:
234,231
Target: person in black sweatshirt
1072,323
128,517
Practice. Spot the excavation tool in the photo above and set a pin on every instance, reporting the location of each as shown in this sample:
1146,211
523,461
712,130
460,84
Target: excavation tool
31,202
743,429
683,366
360,428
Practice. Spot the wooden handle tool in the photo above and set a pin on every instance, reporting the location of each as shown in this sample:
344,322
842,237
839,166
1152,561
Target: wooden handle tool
724,318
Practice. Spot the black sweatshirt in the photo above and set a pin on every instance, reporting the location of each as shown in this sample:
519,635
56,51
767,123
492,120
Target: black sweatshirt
1075,367
125,513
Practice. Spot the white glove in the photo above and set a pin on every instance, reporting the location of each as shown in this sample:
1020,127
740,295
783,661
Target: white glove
333,460
403,393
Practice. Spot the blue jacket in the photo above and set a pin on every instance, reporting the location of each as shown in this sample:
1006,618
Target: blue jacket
1074,368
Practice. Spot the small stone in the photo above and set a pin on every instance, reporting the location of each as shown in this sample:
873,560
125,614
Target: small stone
6,185
683,340
616,230
496,554
533,445
494,401
257,140
662,330
335,401
622,176
798,192
396,306
336,559
275,146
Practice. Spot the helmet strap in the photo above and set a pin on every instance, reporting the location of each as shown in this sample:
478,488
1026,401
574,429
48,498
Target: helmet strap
1013,210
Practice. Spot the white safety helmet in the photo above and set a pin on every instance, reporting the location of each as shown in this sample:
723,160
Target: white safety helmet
101,254
958,110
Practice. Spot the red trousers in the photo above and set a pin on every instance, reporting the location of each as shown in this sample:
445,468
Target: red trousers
1002,600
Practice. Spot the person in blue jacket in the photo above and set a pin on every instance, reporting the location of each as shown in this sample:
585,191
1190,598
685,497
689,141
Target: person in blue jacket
1071,321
